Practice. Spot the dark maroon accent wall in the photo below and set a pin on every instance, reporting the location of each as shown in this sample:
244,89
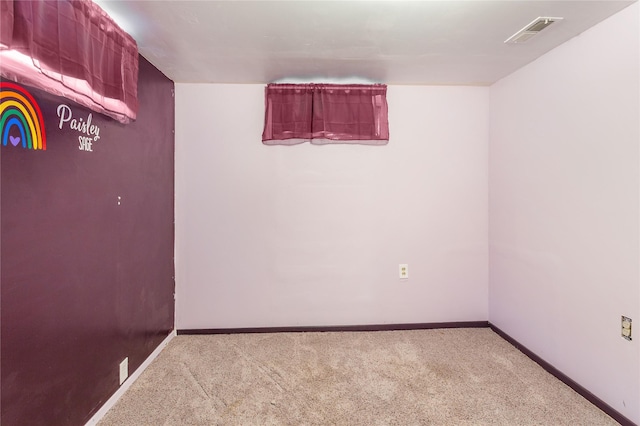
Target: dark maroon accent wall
85,282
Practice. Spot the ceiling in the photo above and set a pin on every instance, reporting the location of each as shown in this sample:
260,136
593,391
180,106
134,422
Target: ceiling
393,42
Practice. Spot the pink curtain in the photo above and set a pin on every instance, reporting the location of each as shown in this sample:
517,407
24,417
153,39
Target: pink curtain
288,112
325,114
6,22
350,113
73,49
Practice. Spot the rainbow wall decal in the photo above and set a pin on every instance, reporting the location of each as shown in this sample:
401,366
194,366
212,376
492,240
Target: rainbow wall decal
20,110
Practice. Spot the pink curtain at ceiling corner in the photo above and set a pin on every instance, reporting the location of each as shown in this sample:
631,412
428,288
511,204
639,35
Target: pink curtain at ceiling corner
6,22
288,109
76,44
325,114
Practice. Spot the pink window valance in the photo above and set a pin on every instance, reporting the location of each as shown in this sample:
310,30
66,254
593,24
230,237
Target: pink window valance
326,114
71,48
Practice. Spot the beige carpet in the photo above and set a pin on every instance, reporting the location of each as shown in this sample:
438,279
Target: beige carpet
422,377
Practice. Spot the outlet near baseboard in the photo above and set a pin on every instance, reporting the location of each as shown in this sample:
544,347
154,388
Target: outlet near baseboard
625,325
403,271
124,370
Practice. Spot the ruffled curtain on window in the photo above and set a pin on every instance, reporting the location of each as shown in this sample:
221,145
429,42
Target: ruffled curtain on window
6,23
326,114
71,49
352,113
288,113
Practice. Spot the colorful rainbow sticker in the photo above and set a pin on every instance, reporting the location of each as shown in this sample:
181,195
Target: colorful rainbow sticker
20,110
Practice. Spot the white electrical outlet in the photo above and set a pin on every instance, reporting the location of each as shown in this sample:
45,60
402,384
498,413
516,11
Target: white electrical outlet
403,271
626,327
124,370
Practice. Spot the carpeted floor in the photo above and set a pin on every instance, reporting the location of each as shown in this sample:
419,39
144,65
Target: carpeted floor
421,377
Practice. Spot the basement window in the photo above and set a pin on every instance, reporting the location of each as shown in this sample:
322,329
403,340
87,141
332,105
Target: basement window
326,114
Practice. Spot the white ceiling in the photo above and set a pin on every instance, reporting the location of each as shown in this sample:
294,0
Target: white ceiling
394,42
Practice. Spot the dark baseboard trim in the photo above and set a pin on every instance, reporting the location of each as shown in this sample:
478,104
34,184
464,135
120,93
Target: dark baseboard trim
369,327
566,379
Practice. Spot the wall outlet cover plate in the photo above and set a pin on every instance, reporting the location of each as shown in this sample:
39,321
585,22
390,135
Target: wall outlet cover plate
403,271
124,370
626,327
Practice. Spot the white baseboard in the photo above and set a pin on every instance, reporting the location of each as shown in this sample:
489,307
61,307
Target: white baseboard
127,383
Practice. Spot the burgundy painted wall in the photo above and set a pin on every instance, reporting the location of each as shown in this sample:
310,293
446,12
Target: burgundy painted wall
85,281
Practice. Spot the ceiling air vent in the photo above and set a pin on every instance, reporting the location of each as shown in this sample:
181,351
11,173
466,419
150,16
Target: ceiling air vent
532,29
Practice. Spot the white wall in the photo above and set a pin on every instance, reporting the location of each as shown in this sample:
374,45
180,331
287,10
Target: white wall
313,235
564,212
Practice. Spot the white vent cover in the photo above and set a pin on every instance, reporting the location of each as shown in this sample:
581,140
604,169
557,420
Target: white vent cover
532,29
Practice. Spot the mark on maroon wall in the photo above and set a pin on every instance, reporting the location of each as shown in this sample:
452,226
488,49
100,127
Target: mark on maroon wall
86,250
